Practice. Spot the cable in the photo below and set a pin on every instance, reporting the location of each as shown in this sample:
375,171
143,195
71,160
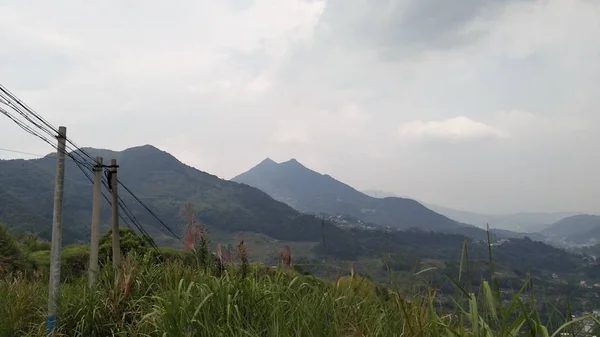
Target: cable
19,102
23,126
137,224
130,215
12,98
149,210
40,136
81,162
21,152
7,98
123,207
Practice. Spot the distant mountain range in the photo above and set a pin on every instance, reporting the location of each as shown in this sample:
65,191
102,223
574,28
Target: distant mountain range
312,192
526,222
164,184
583,229
161,181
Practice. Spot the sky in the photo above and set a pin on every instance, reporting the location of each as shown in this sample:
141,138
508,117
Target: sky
488,106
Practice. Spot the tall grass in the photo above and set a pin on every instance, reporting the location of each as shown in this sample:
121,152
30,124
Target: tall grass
172,299
183,298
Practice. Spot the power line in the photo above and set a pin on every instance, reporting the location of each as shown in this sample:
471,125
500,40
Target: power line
14,98
137,224
21,152
84,160
31,131
10,99
150,211
122,206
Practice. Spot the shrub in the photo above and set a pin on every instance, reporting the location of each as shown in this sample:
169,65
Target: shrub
74,261
12,257
129,242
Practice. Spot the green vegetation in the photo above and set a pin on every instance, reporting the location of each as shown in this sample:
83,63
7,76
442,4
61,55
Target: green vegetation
179,295
392,267
12,255
163,183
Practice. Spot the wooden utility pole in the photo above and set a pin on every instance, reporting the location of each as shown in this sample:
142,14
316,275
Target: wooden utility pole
56,230
116,244
95,239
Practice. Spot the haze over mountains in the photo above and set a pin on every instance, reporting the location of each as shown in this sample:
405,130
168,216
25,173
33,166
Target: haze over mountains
312,192
582,229
520,222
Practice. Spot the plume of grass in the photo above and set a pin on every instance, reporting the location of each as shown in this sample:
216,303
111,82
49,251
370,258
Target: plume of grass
285,256
243,257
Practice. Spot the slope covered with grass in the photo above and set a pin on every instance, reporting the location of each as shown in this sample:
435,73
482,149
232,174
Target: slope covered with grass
176,300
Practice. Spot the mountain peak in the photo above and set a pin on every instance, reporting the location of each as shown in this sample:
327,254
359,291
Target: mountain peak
267,161
292,162
312,192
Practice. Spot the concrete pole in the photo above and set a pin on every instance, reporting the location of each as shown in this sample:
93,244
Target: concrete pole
56,230
116,244
95,239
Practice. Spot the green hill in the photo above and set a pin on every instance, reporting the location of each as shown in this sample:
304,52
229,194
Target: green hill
163,183
226,208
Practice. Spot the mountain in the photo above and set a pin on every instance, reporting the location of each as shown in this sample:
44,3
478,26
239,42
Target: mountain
583,229
524,222
520,222
164,184
379,194
311,192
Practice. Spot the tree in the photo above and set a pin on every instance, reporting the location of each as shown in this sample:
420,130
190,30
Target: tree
129,241
12,257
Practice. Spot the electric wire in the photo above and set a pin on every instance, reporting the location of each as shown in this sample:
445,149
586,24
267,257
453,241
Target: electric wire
122,206
82,159
149,210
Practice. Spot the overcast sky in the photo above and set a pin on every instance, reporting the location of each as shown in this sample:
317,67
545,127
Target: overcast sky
489,106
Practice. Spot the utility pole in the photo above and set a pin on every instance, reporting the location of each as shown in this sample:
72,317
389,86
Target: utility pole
95,239
56,230
116,244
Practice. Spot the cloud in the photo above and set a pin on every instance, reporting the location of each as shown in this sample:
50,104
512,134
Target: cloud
453,129
473,89
344,124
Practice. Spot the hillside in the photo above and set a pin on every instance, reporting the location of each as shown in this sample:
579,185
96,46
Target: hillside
520,222
528,222
161,181
578,230
165,184
161,295
312,192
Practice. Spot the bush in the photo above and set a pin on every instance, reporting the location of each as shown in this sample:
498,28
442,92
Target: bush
129,242
12,257
74,261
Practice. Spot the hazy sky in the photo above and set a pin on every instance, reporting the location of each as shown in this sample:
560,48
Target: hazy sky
489,106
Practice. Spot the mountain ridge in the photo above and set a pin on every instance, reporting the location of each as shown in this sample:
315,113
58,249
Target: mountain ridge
581,229
527,222
309,191
164,183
